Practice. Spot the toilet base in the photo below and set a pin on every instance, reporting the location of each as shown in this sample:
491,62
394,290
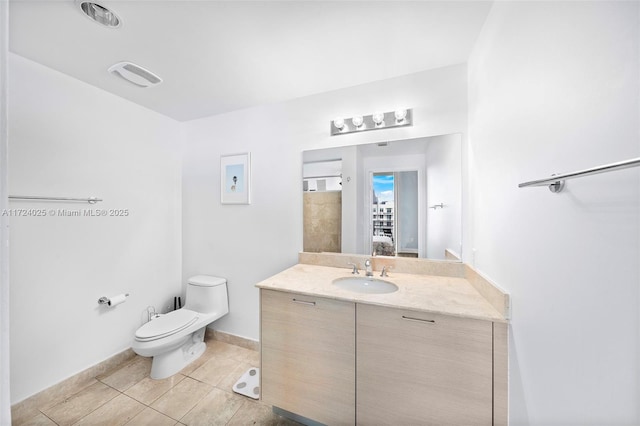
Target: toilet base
169,363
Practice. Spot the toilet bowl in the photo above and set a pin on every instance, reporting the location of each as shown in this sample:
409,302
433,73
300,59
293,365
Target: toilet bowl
176,339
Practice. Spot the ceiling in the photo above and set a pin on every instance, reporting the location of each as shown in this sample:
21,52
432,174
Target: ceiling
221,56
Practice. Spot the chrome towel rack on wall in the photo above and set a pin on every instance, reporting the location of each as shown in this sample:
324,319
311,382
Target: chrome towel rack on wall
556,182
90,200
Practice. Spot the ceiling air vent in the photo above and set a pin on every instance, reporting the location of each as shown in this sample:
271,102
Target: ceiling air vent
99,13
135,74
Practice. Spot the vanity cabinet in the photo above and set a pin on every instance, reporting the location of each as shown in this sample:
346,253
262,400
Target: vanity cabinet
345,363
421,368
308,356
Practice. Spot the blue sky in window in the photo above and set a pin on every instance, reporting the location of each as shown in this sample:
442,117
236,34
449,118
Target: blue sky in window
383,187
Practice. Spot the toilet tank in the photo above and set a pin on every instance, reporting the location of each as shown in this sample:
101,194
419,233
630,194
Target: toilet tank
207,294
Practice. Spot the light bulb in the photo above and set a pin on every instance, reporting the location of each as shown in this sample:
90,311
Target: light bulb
357,120
339,123
400,115
378,118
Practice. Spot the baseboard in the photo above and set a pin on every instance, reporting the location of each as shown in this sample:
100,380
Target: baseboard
233,339
30,407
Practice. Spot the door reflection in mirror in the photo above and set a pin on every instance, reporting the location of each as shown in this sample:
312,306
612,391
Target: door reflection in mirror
394,213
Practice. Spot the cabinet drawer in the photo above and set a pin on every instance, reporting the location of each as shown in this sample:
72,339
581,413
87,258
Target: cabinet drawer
418,368
308,356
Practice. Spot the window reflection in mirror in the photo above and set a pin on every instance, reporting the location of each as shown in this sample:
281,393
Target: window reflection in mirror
394,213
383,214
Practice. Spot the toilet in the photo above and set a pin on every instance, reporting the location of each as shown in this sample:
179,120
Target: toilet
176,339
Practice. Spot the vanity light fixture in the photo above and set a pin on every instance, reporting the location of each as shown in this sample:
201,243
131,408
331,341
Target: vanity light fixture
378,118
400,115
99,13
375,121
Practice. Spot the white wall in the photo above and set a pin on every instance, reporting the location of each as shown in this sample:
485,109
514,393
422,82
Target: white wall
553,87
246,244
71,139
444,183
5,399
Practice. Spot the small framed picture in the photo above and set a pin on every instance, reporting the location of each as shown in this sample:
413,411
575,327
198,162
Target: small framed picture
235,178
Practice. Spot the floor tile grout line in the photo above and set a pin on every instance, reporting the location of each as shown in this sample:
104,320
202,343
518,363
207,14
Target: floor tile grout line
97,408
159,396
245,399
235,413
53,421
164,414
197,402
111,399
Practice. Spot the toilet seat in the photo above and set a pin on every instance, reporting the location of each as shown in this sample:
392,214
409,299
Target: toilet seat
166,325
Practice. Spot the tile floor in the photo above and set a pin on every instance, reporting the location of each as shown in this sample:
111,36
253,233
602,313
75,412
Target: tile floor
199,395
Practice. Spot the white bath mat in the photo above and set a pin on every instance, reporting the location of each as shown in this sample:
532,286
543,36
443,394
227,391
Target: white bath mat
249,384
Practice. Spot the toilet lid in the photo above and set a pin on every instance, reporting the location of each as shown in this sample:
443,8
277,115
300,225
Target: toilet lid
166,325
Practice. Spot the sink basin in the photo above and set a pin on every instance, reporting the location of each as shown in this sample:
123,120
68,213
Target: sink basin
367,285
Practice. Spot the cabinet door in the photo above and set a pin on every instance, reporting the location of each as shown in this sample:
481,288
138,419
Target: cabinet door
308,356
422,369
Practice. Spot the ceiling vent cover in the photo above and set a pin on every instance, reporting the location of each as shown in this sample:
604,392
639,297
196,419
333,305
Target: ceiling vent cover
135,74
99,13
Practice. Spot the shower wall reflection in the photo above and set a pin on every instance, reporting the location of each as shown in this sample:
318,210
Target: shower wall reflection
322,222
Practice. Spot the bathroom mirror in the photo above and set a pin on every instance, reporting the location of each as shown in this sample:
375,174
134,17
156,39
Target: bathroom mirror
396,198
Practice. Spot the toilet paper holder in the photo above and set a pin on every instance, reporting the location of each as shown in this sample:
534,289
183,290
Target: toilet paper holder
106,301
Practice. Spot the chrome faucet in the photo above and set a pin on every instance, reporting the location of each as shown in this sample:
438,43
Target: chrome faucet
355,268
385,271
367,265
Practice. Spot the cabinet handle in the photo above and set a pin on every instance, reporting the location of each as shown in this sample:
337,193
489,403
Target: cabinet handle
418,319
304,302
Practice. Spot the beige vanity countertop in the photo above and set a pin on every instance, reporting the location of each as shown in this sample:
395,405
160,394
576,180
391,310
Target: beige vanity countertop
425,293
